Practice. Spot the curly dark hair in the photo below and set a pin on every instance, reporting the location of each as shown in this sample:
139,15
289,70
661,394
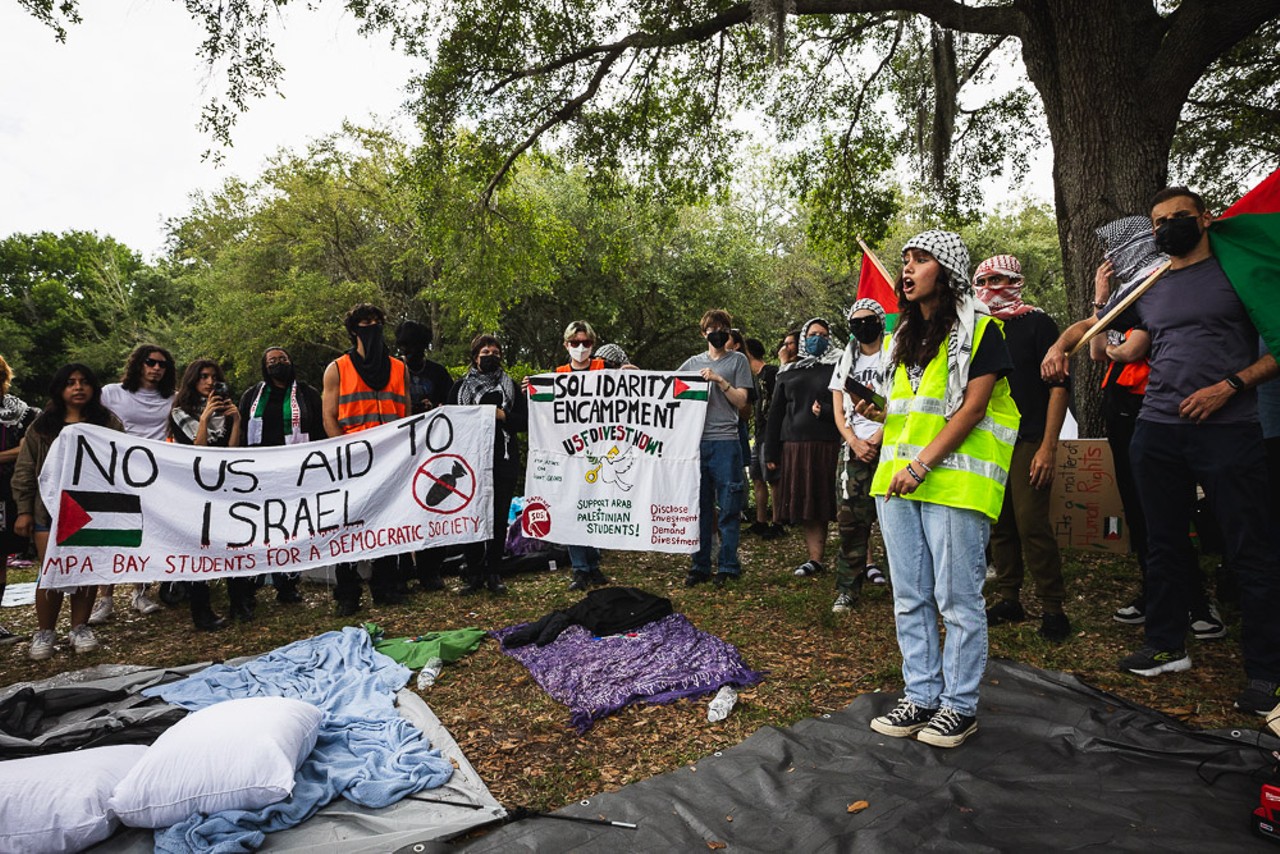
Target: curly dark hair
132,379
363,311
49,423
188,399
916,339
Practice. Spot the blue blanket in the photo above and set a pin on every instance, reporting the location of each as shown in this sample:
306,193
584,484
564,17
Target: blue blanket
366,752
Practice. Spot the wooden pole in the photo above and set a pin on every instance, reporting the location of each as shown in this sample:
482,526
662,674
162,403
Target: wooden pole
866,251
1129,299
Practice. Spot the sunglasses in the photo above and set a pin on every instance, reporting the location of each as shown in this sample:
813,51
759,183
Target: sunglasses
155,363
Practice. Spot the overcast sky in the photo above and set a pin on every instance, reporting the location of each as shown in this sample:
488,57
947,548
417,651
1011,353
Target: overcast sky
100,133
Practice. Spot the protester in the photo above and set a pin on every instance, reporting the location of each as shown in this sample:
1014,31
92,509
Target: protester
142,401
365,387
789,347
613,356
1022,538
1199,423
863,360
720,454
429,384
764,377
205,415
949,432
75,397
737,344
280,410
579,341
15,417
486,384
803,443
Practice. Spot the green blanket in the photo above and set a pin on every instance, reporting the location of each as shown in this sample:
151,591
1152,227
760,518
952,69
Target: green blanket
414,652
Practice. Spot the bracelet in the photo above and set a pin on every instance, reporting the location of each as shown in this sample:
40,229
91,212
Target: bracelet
917,478
1099,305
920,462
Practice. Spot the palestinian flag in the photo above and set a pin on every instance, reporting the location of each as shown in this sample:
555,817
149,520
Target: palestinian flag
1246,241
99,519
874,282
689,388
542,389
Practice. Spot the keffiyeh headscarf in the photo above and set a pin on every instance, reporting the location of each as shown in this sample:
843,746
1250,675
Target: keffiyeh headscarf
1004,301
951,253
1130,246
829,356
870,305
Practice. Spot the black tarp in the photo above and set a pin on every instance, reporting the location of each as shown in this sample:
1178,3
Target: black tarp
1055,765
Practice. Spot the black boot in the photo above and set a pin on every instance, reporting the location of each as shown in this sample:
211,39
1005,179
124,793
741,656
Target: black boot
495,585
202,615
471,585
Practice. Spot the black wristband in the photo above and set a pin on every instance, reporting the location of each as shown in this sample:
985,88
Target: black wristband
1235,382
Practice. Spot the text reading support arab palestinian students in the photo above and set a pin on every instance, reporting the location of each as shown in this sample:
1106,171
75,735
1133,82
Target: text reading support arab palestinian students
949,430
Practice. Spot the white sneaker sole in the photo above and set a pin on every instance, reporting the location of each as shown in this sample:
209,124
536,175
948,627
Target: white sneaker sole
893,731
40,655
937,739
1179,666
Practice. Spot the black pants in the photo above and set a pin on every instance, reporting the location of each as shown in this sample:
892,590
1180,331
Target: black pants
382,582
1120,414
485,558
1229,462
424,566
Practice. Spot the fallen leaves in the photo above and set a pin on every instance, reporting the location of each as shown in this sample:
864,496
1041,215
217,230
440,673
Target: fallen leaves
716,845
858,806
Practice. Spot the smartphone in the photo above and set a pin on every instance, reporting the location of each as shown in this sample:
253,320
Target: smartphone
221,390
857,389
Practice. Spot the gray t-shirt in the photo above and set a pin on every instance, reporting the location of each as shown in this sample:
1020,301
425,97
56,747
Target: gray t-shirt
1200,335
143,412
722,418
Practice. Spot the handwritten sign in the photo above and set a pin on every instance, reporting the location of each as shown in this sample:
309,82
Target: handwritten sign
1085,509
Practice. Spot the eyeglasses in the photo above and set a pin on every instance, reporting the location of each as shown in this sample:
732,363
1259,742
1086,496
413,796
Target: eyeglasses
583,343
155,363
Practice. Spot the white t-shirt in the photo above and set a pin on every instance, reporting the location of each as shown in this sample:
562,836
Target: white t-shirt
868,370
143,412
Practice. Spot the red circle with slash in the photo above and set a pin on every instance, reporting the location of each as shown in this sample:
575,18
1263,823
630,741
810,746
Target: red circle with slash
444,484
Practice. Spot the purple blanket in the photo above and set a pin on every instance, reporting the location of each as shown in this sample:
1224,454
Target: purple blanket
657,663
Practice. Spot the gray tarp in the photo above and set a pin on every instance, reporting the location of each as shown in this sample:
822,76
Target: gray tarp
1055,765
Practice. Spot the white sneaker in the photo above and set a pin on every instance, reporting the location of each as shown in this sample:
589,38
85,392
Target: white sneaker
844,603
42,645
104,608
82,639
144,604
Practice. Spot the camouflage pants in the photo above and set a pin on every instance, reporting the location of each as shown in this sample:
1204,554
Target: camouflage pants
855,511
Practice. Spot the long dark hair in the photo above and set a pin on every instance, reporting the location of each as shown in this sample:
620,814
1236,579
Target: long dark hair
50,422
132,379
916,339
189,399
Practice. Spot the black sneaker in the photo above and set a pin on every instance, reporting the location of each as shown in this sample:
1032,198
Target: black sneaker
596,578
759,529
1054,627
471,587
1208,626
948,728
694,578
776,531
1005,611
495,585
579,581
1259,697
347,607
809,567
1133,614
722,577
906,719
1150,661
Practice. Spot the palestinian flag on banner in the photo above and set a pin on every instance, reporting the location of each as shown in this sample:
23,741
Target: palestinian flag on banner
874,282
691,387
1246,241
99,519
542,389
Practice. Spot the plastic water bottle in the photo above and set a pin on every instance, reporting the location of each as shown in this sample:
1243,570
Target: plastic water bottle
430,671
722,704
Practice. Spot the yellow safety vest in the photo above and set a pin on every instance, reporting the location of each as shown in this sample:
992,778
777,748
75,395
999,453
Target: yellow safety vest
971,477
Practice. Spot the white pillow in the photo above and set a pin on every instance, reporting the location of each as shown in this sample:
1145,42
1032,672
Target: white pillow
237,754
58,802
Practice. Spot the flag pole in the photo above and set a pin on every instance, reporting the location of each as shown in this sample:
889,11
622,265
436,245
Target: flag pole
1129,299
866,251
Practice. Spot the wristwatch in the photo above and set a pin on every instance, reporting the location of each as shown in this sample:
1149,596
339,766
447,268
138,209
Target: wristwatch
1235,382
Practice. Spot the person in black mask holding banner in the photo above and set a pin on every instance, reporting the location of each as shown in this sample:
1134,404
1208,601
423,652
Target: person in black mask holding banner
365,388
1198,423
280,410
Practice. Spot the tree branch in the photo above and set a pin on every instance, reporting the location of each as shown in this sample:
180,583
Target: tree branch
1199,32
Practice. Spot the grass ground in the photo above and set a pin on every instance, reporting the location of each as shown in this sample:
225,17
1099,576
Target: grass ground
519,739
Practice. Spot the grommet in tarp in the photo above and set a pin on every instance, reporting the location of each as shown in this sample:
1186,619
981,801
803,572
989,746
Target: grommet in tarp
585,803
1235,733
717,753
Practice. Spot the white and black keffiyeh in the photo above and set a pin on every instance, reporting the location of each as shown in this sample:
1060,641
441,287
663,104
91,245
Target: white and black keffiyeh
870,305
476,384
953,255
1130,246
829,356
13,410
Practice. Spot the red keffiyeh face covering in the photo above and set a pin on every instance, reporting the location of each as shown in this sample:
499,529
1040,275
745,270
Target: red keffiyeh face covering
1003,296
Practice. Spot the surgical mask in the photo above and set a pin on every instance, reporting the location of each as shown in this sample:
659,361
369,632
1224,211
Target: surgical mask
1178,236
579,352
867,332
281,372
489,364
816,345
718,338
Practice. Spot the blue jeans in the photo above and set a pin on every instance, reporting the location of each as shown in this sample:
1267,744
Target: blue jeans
721,484
937,555
584,558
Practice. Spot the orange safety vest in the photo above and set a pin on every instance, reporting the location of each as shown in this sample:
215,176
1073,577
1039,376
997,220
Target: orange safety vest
593,365
1132,375
360,407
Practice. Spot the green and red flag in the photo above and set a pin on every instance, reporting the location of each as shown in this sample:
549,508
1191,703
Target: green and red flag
1246,241
874,282
542,388
689,387
99,519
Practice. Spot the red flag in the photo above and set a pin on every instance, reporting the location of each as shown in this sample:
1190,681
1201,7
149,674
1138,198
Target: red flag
874,283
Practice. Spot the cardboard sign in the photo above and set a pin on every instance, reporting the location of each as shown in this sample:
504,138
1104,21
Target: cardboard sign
1085,509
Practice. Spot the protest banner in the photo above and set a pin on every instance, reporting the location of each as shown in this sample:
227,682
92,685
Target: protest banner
613,459
1085,505
133,510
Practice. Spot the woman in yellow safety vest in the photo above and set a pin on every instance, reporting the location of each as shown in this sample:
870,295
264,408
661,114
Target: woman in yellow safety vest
949,429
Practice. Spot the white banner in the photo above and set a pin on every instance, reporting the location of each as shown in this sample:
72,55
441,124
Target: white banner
613,459
127,509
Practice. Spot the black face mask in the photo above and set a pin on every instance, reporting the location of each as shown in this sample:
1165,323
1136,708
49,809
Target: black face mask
281,372
489,364
370,337
1178,236
866,332
718,339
